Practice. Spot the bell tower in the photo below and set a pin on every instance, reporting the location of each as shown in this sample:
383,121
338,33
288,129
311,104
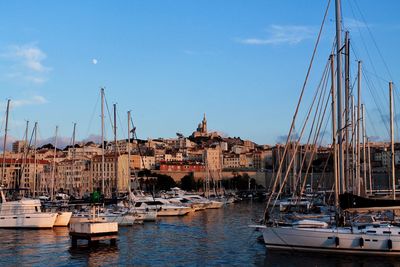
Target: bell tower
204,124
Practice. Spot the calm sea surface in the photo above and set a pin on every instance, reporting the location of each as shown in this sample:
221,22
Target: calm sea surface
206,238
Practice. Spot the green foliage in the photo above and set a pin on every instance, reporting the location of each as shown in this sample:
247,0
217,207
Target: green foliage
164,182
149,181
188,183
239,182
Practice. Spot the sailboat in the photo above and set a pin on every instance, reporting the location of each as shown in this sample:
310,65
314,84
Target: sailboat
122,217
365,237
23,213
63,217
351,201
212,204
145,215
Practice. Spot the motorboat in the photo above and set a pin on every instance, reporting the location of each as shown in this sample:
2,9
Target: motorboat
162,206
24,213
63,218
123,218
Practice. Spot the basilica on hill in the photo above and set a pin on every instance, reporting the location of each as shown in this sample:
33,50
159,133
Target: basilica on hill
201,130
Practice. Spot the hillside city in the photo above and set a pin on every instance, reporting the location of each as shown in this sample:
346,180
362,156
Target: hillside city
77,169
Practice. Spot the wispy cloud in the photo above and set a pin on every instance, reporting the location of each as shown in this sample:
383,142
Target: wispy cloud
31,57
34,100
26,63
282,34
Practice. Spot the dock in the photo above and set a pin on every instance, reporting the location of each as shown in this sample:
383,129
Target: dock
93,232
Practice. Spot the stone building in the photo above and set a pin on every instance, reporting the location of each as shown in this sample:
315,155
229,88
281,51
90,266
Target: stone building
116,176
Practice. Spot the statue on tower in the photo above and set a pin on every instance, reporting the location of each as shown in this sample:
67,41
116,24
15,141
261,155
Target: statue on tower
204,124
201,128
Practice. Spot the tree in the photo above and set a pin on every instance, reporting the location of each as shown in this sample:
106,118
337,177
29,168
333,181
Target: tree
164,182
241,182
188,183
161,181
47,146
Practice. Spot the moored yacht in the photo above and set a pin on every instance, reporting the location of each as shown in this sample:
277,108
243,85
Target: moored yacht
123,218
63,218
198,202
162,206
376,239
24,213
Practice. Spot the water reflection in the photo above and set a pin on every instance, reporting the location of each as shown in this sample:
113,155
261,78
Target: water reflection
290,259
102,254
205,238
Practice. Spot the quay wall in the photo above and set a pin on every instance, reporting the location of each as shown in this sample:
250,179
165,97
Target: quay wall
316,180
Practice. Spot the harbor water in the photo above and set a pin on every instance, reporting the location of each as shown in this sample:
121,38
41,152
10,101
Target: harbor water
219,237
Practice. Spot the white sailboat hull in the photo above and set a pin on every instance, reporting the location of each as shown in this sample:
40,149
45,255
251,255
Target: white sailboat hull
146,216
34,220
177,211
63,218
214,205
122,220
331,240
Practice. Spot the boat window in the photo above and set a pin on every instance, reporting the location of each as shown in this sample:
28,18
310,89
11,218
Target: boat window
36,209
367,239
371,232
361,227
137,204
374,240
154,203
387,232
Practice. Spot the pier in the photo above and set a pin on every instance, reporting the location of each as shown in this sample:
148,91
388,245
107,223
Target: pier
93,232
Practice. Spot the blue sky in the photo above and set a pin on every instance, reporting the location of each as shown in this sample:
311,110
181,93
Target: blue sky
240,62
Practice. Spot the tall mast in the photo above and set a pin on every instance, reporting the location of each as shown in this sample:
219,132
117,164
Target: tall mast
53,170
129,152
353,144
26,137
73,158
115,149
392,140
34,160
347,104
369,167
294,169
339,95
364,148
26,148
358,175
334,131
102,141
5,144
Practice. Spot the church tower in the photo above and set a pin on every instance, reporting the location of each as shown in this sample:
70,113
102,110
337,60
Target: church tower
204,124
